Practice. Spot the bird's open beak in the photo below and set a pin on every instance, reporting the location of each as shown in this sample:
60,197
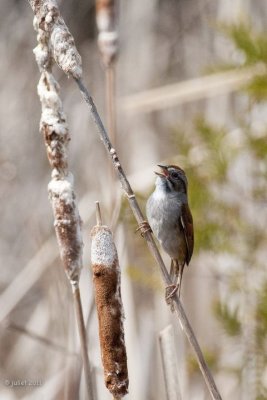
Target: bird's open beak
164,171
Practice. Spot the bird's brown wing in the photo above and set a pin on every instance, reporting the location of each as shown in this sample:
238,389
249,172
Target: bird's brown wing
188,229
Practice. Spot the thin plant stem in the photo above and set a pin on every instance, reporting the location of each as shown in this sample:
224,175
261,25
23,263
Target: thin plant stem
169,363
214,392
41,339
110,102
107,16
110,78
83,339
98,214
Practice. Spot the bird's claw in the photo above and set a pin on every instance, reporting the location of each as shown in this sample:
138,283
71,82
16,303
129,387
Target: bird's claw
169,293
143,227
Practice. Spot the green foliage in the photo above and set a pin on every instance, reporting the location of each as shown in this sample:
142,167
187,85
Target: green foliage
262,397
228,319
252,44
214,137
142,277
258,146
257,88
261,315
220,225
211,358
211,142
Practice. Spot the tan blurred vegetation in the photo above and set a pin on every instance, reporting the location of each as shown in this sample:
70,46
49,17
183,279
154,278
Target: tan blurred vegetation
221,143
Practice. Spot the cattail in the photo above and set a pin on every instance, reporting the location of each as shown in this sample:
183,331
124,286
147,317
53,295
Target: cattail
50,25
106,277
53,126
67,223
106,20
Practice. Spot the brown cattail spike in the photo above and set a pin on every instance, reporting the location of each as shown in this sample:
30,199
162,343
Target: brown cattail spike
106,278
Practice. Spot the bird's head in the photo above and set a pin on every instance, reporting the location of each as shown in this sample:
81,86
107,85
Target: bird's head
173,177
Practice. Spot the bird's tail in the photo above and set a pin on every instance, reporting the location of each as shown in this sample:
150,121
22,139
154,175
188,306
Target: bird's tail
176,274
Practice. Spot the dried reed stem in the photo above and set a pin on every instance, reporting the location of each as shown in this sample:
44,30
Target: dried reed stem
41,339
107,281
107,24
83,339
42,12
111,124
98,214
191,90
111,102
169,363
106,20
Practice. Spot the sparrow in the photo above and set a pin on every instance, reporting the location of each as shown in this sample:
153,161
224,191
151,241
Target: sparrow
171,221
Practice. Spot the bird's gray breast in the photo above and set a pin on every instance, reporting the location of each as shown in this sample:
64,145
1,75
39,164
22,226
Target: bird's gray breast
163,214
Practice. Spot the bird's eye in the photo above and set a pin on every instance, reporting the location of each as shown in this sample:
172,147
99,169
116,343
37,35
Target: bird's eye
175,175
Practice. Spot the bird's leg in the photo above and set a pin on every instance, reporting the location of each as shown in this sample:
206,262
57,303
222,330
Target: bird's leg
143,227
174,269
177,270
179,280
178,285
172,289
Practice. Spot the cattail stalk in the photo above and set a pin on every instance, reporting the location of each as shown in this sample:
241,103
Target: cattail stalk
107,282
169,363
107,25
56,43
21,330
107,21
111,102
41,9
83,339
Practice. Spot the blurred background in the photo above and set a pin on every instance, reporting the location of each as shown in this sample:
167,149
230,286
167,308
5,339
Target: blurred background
191,90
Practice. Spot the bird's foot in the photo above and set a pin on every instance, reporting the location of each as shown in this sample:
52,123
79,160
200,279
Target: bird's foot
169,293
143,227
